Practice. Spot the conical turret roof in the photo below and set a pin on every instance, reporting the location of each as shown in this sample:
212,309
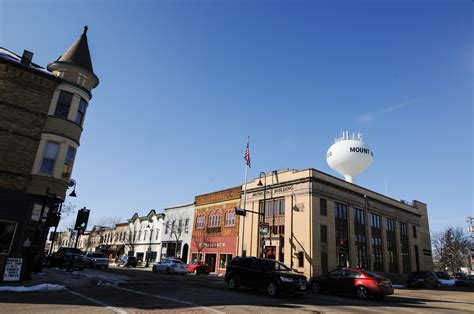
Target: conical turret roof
78,54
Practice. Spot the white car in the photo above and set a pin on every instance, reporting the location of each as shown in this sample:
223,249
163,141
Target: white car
171,266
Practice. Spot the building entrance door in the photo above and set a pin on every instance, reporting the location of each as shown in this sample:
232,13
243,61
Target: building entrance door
211,261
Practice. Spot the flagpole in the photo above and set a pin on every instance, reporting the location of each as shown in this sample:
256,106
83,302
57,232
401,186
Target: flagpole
245,199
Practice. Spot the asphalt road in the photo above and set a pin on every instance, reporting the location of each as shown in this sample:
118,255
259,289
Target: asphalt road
146,292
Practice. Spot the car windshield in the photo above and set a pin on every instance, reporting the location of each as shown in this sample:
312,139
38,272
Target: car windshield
274,265
372,274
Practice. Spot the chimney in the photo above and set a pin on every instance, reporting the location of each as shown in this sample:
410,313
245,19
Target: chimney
26,57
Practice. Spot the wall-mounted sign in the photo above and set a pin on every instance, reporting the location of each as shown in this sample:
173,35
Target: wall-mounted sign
212,244
12,269
275,191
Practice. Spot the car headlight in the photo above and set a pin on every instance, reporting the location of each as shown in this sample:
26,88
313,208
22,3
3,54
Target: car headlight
286,279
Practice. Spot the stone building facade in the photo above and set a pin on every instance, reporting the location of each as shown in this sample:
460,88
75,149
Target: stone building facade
41,116
216,228
313,211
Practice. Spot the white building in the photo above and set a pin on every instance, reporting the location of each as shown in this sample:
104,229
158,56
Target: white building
143,238
177,233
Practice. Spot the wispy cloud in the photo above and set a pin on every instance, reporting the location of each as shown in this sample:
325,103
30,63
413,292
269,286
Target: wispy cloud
369,116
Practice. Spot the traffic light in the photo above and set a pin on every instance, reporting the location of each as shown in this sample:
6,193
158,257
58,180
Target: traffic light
240,211
81,221
342,244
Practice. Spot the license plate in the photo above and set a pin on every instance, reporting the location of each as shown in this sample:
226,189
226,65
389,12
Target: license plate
303,287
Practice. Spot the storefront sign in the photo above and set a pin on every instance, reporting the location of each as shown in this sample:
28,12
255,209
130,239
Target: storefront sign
12,269
212,244
275,191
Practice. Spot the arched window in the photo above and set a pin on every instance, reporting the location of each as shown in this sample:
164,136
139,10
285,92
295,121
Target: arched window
211,219
230,218
218,218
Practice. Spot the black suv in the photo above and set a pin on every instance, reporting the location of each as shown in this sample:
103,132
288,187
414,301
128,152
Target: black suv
423,279
269,274
66,257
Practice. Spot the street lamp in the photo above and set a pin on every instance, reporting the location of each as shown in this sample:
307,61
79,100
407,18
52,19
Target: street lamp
72,184
264,206
148,253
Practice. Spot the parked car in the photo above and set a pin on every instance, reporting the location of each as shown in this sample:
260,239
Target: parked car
361,282
268,274
170,266
423,279
465,281
197,268
67,257
127,261
443,275
97,260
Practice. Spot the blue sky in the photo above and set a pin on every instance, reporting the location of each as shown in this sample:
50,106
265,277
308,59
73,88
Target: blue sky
183,83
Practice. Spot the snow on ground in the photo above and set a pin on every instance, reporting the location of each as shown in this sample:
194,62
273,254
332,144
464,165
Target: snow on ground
41,287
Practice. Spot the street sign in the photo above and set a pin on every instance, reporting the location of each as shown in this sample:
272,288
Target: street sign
240,211
12,269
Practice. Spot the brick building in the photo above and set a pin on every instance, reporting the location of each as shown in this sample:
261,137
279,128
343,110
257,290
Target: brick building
41,116
216,228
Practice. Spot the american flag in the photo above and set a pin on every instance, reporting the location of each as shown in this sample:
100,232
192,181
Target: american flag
247,155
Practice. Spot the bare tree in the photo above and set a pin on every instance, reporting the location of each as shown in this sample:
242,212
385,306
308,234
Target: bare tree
176,229
451,248
129,240
199,241
109,222
67,209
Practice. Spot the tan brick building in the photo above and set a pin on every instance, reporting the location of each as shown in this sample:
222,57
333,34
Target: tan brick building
216,228
383,234
41,116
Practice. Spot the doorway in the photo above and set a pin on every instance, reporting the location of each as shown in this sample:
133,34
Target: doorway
184,256
211,261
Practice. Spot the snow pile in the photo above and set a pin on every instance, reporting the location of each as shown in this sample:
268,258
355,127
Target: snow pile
41,287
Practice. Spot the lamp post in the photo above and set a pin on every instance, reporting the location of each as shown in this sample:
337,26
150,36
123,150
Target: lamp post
149,247
260,238
293,208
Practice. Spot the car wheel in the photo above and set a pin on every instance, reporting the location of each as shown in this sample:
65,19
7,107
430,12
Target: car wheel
272,289
168,271
362,292
154,269
233,283
315,287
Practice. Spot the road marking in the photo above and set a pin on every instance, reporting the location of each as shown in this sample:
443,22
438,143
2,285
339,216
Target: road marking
170,299
108,307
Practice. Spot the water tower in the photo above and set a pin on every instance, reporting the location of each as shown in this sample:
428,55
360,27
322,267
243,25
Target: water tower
349,156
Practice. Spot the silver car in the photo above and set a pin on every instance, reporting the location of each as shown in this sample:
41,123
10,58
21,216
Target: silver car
97,260
170,266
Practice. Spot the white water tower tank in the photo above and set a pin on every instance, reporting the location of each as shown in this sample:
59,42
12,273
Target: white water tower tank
349,156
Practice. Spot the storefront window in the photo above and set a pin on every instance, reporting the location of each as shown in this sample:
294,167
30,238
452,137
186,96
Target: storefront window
224,259
7,231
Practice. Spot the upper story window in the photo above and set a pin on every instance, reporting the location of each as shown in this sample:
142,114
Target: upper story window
217,222
230,218
323,207
341,211
70,155
63,105
81,112
390,224
180,226
200,222
49,158
186,225
414,231
359,216
375,220
167,228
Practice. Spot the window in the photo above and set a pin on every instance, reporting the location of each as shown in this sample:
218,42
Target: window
81,111
49,158
186,225
157,232
360,238
323,207
200,222
224,259
167,227
63,105
340,211
273,207
217,223
300,259
230,218
7,231
180,226
70,156
377,253
391,245
324,234
405,250
414,232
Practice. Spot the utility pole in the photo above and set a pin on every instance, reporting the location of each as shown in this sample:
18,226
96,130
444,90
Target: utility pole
470,230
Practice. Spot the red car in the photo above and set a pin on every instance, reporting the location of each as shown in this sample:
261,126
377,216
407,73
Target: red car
356,281
198,268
